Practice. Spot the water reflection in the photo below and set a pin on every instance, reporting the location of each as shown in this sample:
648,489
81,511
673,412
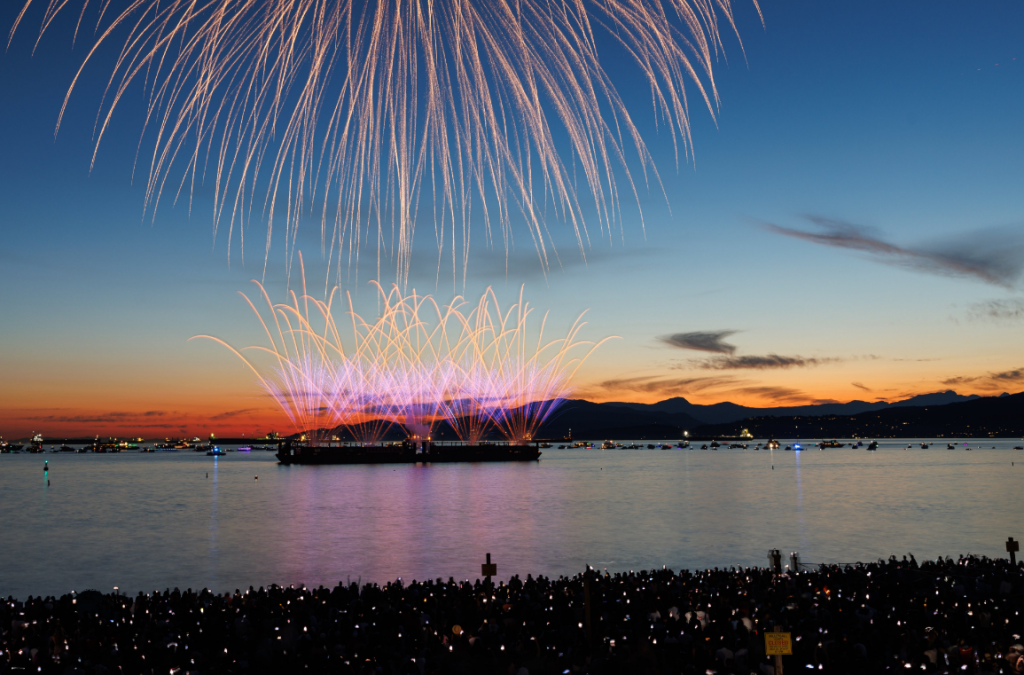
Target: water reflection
801,530
213,553
135,520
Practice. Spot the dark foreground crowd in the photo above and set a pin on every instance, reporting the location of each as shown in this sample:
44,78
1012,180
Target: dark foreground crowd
942,616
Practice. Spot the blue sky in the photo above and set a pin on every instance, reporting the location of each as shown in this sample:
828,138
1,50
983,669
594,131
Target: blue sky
898,116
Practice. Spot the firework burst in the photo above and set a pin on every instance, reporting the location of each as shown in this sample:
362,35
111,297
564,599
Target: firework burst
349,111
418,364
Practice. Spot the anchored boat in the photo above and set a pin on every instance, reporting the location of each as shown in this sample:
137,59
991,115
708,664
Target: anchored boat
408,452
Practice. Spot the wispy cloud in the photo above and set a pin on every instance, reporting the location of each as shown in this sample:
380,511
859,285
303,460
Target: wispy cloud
491,266
989,380
110,417
654,384
997,310
994,255
766,362
701,341
779,394
234,413
860,386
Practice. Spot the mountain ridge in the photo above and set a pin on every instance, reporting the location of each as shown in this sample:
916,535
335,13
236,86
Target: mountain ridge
925,415
726,411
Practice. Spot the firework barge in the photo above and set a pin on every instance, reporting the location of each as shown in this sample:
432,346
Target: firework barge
408,452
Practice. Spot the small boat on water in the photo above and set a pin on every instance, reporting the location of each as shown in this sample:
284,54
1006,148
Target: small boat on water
244,448
830,444
607,445
215,452
772,445
873,445
1018,447
924,446
950,446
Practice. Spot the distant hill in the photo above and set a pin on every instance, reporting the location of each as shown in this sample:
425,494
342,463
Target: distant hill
721,413
668,419
607,420
996,416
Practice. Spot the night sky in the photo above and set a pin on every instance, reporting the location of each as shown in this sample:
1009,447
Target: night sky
850,226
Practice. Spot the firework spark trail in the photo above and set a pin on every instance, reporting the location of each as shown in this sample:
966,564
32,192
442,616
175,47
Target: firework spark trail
352,109
415,366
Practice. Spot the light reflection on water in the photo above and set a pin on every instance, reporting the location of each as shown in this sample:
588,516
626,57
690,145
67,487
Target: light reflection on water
145,521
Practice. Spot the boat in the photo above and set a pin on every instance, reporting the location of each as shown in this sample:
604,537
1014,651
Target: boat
244,448
607,445
873,445
1018,447
407,452
67,448
215,452
831,444
924,446
715,444
772,445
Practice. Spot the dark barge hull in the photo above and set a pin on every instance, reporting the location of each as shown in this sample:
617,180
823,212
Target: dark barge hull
306,454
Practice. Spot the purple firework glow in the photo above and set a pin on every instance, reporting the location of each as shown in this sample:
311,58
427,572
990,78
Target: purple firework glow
420,363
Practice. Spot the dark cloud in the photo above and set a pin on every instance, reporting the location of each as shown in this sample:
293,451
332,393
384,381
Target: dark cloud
994,256
711,341
997,310
769,361
860,386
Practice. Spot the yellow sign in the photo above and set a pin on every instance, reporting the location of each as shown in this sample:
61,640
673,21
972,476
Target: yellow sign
778,644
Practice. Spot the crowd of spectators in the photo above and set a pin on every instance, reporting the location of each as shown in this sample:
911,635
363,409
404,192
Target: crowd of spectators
942,616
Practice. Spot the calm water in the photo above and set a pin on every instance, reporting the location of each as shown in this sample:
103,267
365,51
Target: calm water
146,521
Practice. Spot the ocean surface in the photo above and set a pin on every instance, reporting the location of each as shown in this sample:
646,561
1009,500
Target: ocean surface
154,521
